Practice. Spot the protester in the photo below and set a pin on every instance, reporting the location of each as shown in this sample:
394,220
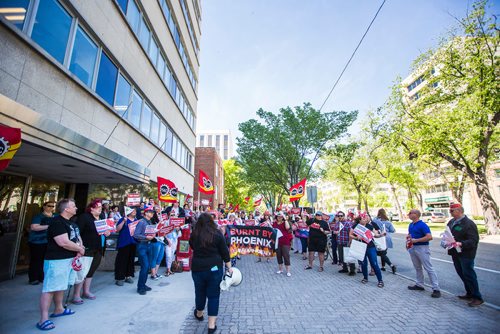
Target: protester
94,248
317,242
220,208
265,221
63,244
418,237
342,230
143,244
284,243
126,245
371,251
105,211
466,236
157,246
209,253
37,240
332,223
188,213
297,245
303,233
114,213
384,224
178,211
171,246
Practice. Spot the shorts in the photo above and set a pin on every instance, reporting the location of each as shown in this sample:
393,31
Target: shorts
58,275
316,245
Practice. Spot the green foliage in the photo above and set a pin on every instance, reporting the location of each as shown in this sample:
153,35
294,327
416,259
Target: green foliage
235,186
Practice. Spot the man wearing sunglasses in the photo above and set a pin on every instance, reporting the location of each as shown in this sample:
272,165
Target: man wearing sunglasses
465,232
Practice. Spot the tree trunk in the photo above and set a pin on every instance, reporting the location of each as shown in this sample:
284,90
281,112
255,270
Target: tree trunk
365,202
490,208
420,201
398,206
359,199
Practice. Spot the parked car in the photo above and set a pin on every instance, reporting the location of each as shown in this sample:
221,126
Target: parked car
433,217
394,217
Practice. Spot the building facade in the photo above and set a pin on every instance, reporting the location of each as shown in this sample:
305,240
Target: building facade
208,160
221,140
105,92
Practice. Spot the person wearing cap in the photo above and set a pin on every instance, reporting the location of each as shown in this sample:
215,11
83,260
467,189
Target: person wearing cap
265,221
126,245
178,211
466,236
143,244
317,242
419,234
284,243
342,228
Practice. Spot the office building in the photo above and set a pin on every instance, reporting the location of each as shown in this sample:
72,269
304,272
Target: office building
221,140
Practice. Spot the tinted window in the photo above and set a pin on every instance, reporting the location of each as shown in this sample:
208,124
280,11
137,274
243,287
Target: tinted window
133,16
163,134
106,79
168,143
123,5
153,51
134,116
14,11
160,66
146,119
51,28
83,57
122,95
155,128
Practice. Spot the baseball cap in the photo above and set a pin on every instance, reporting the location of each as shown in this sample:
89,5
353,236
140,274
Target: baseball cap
455,206
149,208
128,210
318,213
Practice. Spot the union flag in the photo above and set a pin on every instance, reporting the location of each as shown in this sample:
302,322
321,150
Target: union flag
257,202
167,191
298,190
10,141
204,184
236,208
247,199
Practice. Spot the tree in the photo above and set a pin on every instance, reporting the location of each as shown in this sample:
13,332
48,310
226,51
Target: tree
286,145
235,187
456,115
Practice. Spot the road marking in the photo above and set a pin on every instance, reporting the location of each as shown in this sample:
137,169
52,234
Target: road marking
496,307
478,268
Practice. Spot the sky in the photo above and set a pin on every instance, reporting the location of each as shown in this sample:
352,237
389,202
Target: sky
271,54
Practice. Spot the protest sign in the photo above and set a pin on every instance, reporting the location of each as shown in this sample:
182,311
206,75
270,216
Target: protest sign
150,230
164,229
255,240
132,226
177,221
133,199
104,225
250,222
364,233
295,211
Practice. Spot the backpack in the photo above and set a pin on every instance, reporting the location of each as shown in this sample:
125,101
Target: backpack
176,267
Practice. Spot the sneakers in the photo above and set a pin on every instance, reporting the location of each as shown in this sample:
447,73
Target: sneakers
141,292
383,268
476,302
288,274
415,287
436,294
155,277
147,288
279,272
119,282
352,273
466,297
129,280
343,271
393,267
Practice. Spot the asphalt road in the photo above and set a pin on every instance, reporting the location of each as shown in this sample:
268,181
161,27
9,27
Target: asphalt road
487,266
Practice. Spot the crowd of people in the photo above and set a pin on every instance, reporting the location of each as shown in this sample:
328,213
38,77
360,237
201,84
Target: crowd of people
66,249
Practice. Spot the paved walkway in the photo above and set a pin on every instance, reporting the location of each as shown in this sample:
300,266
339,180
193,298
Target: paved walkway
330,302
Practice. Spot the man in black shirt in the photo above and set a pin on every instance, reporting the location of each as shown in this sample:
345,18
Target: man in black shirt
64,243
318,237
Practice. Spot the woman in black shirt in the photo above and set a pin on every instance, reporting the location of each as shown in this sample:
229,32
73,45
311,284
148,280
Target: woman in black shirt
209,253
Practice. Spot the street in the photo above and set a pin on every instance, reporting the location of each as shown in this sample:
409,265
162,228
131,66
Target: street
487,268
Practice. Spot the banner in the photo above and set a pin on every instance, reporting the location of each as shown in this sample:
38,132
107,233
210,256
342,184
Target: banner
10,141
133,200
104,225
167,191
204,183
297,190
254,240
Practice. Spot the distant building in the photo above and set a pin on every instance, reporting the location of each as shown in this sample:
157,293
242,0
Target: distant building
221,140
208,160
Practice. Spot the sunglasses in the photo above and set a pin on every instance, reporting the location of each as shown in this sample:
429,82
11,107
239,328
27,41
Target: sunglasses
50,206
340,216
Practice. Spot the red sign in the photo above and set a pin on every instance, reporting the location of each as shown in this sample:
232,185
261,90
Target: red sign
295,211
133,199
177,221
163,230
250,222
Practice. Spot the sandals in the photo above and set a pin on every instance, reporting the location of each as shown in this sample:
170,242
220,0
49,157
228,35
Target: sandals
364,281
67,311
380,284
77,301
308,267
91,297
47,325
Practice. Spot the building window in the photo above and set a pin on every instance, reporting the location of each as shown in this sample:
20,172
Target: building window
174,147
14,11
51,28
202,140
168,144
217,143
106,79
83,57
153,51
155,129
209,143
123,5
144,34
133,16
146,119
134,115
415,83
163,135
160,66
122,98
226,153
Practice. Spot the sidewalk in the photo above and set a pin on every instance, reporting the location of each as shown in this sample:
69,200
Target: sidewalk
116,309
491,239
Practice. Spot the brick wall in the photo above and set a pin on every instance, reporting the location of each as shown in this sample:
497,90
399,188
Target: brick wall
208,160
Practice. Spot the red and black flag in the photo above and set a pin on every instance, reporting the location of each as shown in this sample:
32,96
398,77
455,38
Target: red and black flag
10,141
298,190
167,191
204,184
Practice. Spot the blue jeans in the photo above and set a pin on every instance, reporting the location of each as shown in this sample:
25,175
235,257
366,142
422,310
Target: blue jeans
142,251
156,253
465,269
371,255
206,286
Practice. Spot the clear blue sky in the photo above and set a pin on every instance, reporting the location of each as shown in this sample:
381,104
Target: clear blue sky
275,53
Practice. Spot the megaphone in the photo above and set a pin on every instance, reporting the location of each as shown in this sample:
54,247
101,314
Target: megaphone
229,280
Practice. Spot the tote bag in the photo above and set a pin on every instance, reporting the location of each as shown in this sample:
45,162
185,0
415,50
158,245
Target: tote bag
380,244
357,250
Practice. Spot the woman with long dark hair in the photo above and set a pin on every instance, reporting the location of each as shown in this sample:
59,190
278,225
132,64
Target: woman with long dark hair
209,253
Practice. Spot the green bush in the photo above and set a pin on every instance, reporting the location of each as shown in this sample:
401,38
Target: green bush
477,218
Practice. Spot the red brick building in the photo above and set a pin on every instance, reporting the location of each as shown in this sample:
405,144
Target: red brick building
208,160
